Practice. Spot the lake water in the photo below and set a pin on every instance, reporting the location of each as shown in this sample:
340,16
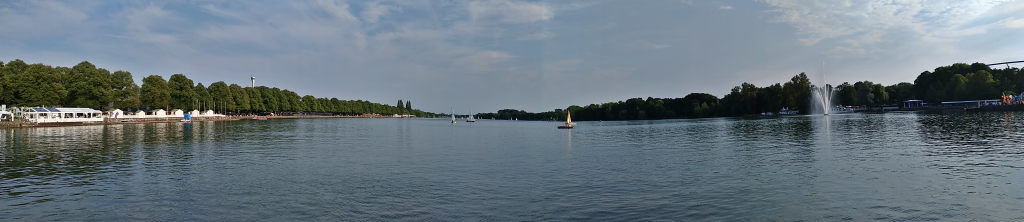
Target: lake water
895,166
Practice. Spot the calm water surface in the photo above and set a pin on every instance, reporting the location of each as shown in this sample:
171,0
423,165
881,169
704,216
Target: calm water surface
896,166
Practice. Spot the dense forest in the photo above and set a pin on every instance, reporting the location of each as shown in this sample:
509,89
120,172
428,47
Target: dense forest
959,81
84,85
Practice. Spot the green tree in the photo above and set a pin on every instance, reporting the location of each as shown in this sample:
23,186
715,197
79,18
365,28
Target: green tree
981,85
256,100
88,86
36,85
126,92
797,93
222,99
203,97
880,94
956,88
155,94
183,94
900,92
241,98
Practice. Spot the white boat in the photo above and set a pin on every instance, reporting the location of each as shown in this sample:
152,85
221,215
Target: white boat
453,118
470,119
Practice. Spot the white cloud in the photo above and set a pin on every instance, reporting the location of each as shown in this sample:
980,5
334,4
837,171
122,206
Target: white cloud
140,22
216,11
482,61
510,11
538,36
725,7
31,19
340,10
374,11
867,22
1014,24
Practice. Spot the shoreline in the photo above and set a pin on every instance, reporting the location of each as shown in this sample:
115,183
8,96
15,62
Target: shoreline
117,121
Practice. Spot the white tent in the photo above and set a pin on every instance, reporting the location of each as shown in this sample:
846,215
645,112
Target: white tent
159,113
63,115
210,113
177,113
140,114
116,113
6,116
195,113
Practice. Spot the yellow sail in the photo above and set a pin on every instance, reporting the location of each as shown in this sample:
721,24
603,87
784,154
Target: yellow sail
568,119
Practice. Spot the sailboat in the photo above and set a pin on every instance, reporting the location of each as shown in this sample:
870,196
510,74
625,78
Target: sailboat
471,119
453,118
568,122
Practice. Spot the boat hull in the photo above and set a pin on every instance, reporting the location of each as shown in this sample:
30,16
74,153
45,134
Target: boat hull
565,127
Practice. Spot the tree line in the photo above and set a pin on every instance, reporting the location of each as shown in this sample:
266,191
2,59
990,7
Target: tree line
958,81
84,85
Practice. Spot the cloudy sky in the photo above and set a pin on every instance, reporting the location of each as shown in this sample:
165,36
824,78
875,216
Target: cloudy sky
532,55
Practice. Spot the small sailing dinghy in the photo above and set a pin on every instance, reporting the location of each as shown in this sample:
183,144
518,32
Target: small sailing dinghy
568,122
453,118
471,119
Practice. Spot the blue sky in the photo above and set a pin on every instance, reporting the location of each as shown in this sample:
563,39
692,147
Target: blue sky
482,56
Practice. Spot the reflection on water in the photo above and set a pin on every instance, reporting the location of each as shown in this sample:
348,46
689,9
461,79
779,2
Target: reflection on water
896,166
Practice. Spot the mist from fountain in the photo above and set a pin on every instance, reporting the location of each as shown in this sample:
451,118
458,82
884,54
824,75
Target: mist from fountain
821,100
822,96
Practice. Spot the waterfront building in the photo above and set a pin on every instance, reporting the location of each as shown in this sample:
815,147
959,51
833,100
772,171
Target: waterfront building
62,115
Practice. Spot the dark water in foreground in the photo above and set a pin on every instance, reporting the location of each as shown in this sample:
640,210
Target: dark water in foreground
896,166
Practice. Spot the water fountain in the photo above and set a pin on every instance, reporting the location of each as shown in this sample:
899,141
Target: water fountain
822,96
821,99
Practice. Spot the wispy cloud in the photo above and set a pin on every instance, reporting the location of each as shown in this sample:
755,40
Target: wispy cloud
1015,23
510,11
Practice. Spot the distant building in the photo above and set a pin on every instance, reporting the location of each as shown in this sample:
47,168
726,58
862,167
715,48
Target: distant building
913,104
